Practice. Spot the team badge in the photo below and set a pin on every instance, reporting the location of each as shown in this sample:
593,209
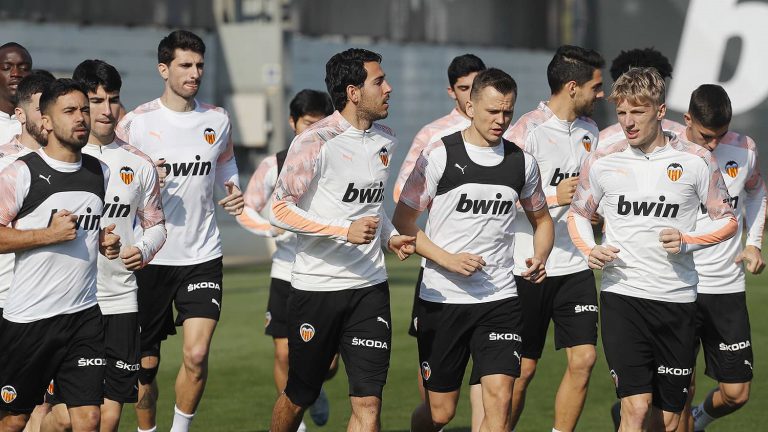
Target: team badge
587,143
426,371
126,175
8,393
674,171
209,135
267,318
732,169
50,388
307,332
384,156
615,378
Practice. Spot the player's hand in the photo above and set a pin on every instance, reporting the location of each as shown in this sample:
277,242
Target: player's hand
109,242
62,227
463,263
131,257
566,189
753,260
162,172
602,255
402,245
596,219
363,230
671,240
535,271
233,203
277,231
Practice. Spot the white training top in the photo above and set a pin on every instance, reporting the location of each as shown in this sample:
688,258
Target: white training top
8,154
560,147
333,175
472,194
9,127
258,196
641,195
132,198
737,159
61,278
198,153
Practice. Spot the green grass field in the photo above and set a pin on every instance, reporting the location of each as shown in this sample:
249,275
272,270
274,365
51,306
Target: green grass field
240,390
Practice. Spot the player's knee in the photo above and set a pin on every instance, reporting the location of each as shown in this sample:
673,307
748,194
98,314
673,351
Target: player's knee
14,422
671,423
147,375
582,361
150,362
196,358
442,414
735,396
527,372
634,410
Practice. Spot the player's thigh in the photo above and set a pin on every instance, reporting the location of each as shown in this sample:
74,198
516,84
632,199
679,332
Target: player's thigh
674,350
537,301
444,335
199,292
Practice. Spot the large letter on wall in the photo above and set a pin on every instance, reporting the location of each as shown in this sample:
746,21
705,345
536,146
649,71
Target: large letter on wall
708,26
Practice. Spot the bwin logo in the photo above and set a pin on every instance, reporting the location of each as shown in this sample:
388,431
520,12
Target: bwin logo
644,208
735,347
558,176
495,207
116,210
364,195
185,169
664,370
85,222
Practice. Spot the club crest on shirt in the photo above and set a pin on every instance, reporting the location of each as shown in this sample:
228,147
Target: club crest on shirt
732,168
384,156
587,143
126,175
426,371
307,332
674,171
209,135
8,393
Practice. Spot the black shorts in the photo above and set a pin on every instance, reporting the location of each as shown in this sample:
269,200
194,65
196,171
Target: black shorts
569,300
195,289
276,318
412,327
450,333
649,346
66,348
354,322
121,339
722,326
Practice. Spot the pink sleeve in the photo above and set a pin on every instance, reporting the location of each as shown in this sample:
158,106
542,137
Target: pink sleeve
419,142
14,185
257,195
714,194
518,133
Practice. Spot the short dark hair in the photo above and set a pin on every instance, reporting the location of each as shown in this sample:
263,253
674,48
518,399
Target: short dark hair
647,57
496,78
710,106
310,102
95,73
13,45
42,72
32,84
347,68
58,88
462,66
572,63
179,39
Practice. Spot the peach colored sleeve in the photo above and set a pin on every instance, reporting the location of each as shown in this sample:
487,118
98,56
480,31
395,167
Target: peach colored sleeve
14,186
419,143
257,195
301,167
584,205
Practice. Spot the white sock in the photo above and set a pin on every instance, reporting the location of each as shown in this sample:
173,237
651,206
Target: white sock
152,429
302,427
181,420
555,430
701,419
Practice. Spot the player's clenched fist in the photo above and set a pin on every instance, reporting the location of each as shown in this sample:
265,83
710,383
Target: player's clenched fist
109,242
62,227
463,263
363,230
536,272
131,257
600,255
162,172
233,203
403,246
671,240
566,189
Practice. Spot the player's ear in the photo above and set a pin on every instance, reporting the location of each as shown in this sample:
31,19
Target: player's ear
470,109
686,117
451,93
292,123
353,94
570,87
21,116
662,111
47,123
163,69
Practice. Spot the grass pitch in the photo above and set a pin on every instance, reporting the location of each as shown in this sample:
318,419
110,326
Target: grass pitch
240,390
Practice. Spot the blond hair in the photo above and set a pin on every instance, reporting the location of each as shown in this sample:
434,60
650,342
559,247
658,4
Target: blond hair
639,85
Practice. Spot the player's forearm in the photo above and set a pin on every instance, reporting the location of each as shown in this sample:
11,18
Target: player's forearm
227,172
722,229
255,223
387,228
288,216
543,238
13,240
754,216
151,242
580,230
